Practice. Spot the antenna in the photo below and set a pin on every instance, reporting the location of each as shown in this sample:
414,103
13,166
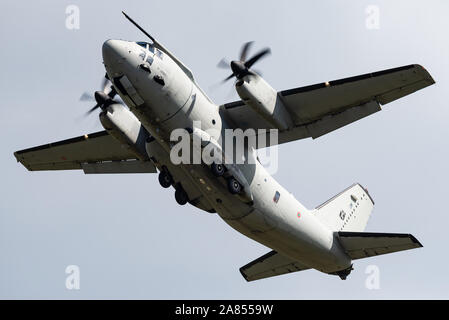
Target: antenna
139,27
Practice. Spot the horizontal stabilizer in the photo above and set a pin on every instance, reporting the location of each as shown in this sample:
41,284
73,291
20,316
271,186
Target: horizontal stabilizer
270,265
360,245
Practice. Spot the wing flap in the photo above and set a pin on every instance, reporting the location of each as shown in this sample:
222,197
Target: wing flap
360,245
71,153
333,122
126,166
270,265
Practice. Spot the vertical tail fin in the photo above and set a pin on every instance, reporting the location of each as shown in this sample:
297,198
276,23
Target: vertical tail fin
347,211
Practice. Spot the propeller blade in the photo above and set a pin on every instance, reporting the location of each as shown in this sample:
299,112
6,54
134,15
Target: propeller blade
256,57
87,97
95,107
229,77
244,50
223,64
102,97
241,68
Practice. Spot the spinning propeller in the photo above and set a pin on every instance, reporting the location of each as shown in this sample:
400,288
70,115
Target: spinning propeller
241,68
103,98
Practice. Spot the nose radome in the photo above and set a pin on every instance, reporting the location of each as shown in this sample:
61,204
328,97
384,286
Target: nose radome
113,50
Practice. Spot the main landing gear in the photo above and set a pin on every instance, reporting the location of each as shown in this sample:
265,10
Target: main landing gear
219,170
180,195
166,180
234,186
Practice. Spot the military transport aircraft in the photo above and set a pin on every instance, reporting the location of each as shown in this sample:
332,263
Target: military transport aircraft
161,95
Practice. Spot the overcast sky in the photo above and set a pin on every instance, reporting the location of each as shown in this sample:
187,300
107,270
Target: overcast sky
129,237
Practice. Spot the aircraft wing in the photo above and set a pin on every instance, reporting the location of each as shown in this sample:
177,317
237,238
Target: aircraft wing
98,152
270,265
321,108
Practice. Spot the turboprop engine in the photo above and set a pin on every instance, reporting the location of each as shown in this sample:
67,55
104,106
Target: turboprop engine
123,125
118,121
262,98
255,91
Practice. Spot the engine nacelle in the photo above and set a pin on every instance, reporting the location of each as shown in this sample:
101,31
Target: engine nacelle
123,125
263,99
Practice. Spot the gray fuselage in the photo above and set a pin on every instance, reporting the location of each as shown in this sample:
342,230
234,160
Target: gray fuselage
164,98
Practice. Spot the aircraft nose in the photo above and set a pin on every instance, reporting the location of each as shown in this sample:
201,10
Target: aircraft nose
113,50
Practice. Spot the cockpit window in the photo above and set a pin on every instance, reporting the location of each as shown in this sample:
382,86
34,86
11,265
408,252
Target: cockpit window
146,45
142,44
159,54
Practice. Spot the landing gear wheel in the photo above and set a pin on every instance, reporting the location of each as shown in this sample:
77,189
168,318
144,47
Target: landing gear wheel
165,179
234,186
181,196
217,169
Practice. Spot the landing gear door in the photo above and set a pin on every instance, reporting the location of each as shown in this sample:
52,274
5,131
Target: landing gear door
130,91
